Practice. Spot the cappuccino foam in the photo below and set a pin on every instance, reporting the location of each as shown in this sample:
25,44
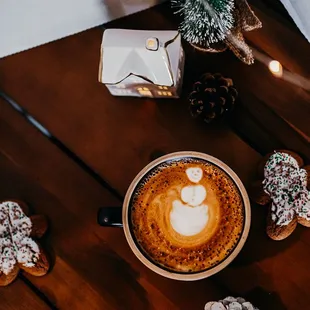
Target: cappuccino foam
186,220
187,215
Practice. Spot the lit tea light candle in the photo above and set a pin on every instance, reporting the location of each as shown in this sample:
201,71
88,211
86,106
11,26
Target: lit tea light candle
276,68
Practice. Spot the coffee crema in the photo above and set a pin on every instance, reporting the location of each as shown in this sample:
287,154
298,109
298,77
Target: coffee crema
187,215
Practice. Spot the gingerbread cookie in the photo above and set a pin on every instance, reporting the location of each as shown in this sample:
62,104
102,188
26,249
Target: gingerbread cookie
18,249
230,303
285,189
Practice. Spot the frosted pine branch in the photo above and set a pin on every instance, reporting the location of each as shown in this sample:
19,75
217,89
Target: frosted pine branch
205,21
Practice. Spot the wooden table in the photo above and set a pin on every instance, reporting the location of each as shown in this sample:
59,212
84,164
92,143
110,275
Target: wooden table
68,147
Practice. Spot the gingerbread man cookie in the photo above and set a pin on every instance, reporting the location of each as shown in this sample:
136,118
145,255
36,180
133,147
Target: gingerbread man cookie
18,249
285,189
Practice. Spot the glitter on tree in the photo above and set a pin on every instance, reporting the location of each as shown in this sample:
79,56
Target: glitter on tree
213,25
205,22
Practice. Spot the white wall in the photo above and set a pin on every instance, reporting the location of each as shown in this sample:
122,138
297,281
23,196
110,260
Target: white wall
28,23
300,12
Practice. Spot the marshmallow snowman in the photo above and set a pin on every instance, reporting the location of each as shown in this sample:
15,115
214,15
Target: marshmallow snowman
189,216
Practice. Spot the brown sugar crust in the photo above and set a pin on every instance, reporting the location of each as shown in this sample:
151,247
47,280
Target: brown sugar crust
151,207
7,279
41,266
277,232
258,194
302,221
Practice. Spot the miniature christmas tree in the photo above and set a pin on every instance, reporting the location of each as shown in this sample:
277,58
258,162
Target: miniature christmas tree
213,25
205,22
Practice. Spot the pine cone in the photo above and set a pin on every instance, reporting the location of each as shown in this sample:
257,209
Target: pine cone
230,303
212,98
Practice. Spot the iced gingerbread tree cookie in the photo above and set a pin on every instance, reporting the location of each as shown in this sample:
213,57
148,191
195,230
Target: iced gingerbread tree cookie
285,189
18,248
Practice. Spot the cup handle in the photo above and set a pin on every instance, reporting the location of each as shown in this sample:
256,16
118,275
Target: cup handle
110,217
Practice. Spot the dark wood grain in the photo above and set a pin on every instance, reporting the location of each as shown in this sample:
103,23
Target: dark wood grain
79,111
115,137
265,130
19,296
92,264
75,67
94,267
280,41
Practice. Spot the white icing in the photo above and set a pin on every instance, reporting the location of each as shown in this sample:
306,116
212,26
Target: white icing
230,303
215,306
186,220
235,306
247,306
286,184
193,195
228,300
194,174
15,244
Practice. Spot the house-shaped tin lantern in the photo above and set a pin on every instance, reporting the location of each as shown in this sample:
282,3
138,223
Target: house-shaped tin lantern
142,63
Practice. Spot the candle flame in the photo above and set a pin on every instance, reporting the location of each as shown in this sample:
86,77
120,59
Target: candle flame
276,68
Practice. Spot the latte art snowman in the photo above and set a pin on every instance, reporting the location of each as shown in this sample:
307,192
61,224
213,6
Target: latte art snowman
189,216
